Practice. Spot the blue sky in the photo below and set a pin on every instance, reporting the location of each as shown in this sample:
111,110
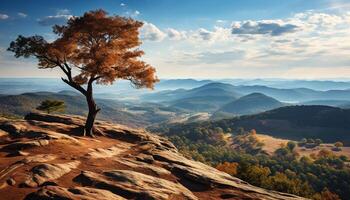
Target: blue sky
205,39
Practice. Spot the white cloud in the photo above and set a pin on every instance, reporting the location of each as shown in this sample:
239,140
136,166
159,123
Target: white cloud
151,33
22,14
174,34
61,17
313,42
133,14
220,21
3,16
136,13
212,57
271,27
122,4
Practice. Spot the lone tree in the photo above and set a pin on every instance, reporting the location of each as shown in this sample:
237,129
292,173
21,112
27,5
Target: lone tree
51,106
93,48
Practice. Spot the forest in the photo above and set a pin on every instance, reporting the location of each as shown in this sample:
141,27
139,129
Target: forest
322,176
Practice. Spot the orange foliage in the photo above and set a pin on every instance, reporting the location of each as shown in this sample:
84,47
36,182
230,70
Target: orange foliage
101,48
230,168
328,195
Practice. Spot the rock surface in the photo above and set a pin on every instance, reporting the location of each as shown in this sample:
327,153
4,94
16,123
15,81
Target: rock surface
136,185
49,172
59,193
121,163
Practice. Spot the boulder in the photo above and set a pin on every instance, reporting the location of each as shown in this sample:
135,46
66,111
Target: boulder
25,145
49,172
135,185
63,119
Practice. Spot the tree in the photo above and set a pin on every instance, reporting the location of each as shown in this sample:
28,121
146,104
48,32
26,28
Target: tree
93,48
291,145
318,141
302,142
338,144
51,106
230,168
326,195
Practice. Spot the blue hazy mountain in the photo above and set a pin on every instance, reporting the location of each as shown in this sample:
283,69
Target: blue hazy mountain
215,90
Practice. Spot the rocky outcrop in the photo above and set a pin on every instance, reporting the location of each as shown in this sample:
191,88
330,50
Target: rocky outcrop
120,163
77,193
136,185
49,172
25,145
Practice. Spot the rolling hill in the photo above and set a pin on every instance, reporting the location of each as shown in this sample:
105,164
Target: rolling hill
214,89
330,124
251,104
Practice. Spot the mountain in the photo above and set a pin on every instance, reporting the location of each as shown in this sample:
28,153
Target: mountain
215,89
201,103
180,84
251,104
45,159
322,85
133,115
207,98
296,94
334,103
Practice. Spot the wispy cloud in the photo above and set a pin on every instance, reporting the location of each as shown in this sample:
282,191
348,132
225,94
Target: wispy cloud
60,18
3,16
21,14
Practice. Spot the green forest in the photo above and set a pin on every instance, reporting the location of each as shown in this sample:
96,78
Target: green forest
323,176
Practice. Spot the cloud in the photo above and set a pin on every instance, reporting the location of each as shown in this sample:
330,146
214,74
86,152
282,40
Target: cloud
55,19
218,34
220,21
3,16
220,57
273,28
23,15
63,12
122,4
135,13
174,34
151,32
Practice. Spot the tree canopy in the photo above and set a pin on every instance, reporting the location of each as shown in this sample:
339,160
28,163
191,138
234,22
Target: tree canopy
93,48
51,106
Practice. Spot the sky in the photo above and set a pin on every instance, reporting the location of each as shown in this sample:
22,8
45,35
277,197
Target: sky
296,39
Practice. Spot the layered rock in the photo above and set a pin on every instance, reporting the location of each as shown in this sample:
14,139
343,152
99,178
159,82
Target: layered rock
49,172
59,193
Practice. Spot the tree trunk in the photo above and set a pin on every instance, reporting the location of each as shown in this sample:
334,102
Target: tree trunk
93,110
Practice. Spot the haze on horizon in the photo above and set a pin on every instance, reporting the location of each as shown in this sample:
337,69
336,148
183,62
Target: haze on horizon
205,39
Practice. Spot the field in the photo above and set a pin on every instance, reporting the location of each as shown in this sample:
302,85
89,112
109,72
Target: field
272,143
